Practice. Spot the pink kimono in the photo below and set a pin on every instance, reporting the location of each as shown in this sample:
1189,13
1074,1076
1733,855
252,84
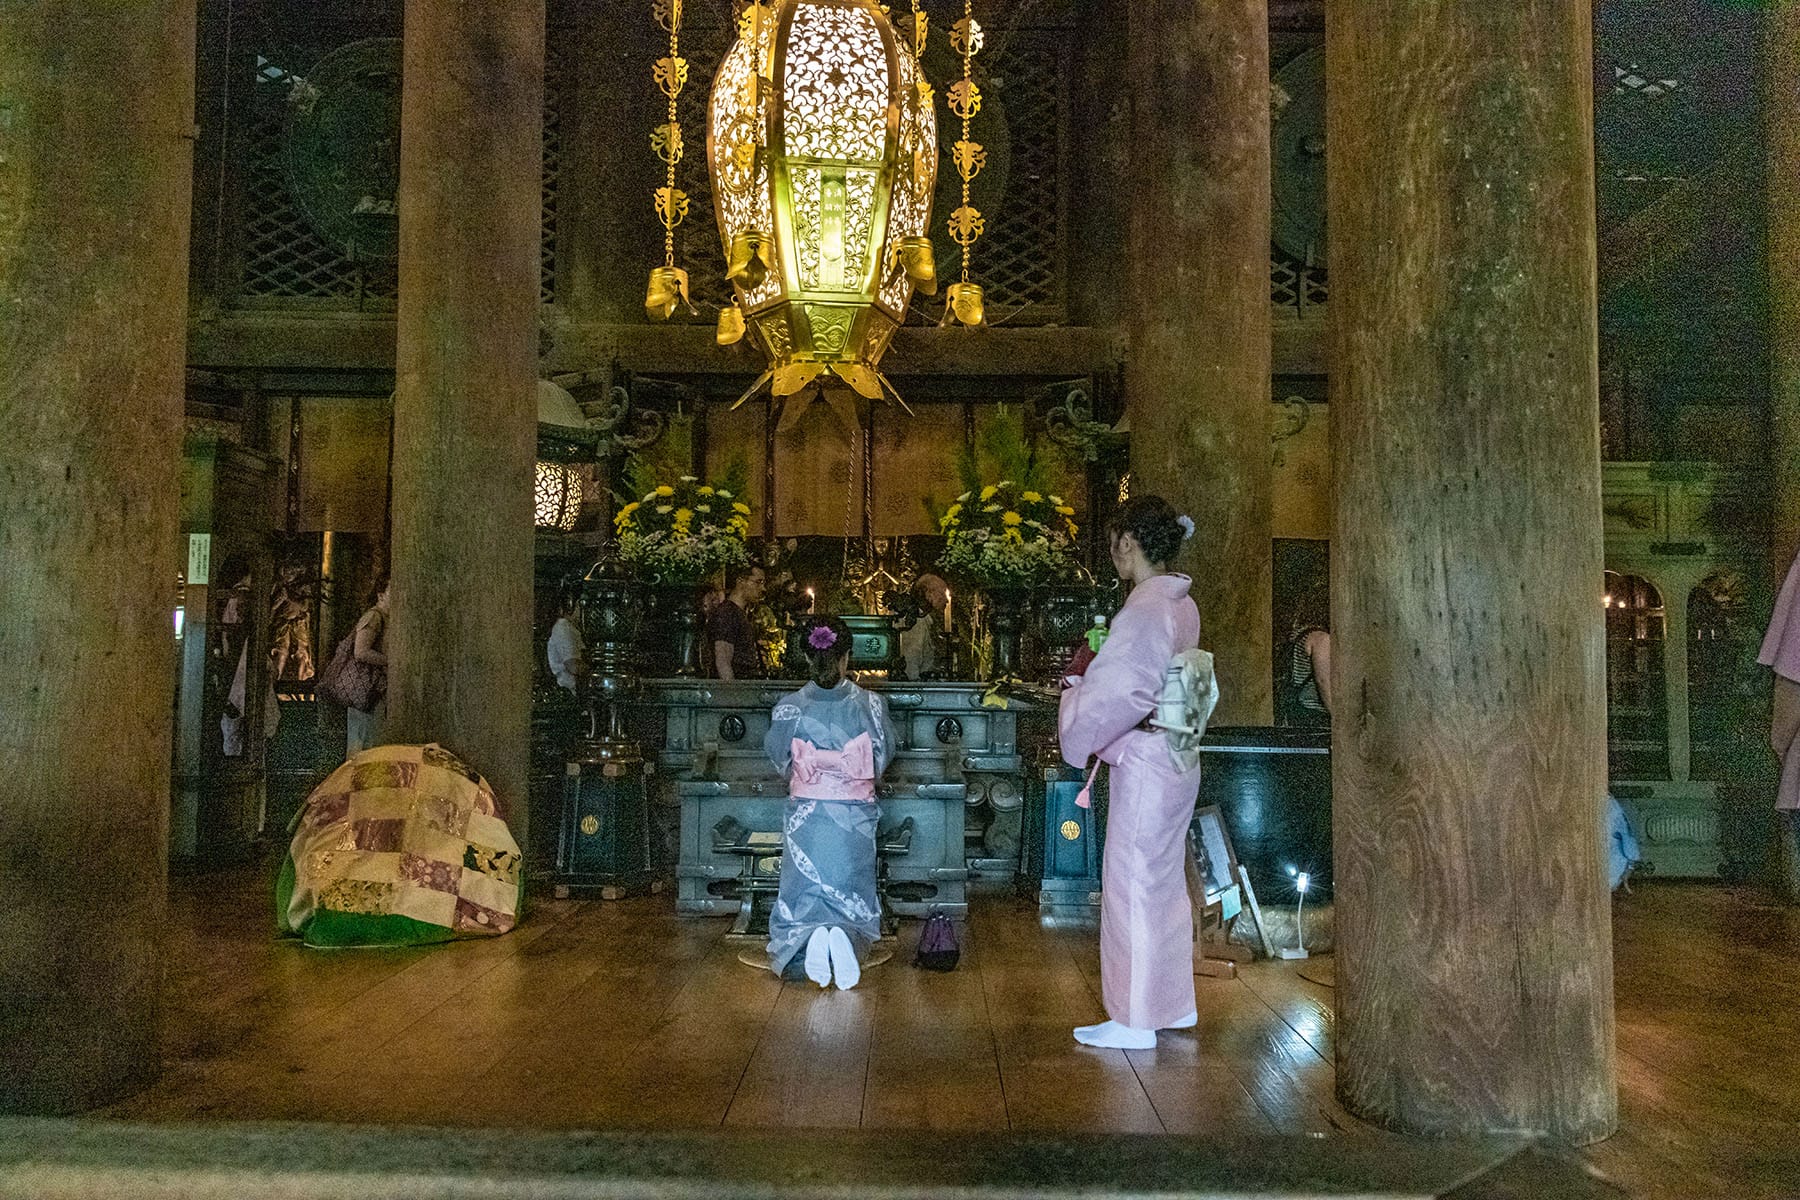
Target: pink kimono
1146,924
1781,654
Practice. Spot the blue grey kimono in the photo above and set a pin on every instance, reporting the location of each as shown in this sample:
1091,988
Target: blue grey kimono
832,745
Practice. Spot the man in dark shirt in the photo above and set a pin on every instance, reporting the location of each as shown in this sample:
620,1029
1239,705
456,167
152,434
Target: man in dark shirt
729,630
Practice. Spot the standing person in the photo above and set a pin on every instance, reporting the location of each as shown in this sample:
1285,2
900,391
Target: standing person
728,629
566,651
832,740
1146,923
363,728
1781,654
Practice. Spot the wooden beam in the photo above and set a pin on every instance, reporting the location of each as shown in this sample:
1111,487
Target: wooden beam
96,122
465,399
1469,724
1782,124
1198,323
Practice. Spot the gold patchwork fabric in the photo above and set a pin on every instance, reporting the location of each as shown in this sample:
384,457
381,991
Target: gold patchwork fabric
411,831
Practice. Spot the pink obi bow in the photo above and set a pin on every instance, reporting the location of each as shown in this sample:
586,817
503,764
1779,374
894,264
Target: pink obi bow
847,774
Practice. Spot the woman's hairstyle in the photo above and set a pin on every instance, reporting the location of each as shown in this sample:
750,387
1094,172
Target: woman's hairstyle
824,641
1155,526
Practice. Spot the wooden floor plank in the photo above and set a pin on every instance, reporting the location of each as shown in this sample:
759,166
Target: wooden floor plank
933,1063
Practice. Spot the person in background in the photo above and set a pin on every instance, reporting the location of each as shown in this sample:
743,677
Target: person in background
729,630
1146,921
832,740
1781,654
1307,686
918,644
566,651
363,729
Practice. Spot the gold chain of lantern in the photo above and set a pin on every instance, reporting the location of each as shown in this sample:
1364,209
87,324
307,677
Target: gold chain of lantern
966,223
669,283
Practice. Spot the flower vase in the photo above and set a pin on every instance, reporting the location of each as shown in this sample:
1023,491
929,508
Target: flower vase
1006,631
678,630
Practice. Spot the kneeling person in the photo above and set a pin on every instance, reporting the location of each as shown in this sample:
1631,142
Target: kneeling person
832,740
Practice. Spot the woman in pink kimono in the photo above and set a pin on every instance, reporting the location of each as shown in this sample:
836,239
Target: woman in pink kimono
1146,924
1781,654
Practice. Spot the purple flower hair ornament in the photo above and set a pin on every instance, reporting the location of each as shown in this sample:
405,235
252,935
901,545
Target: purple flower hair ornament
821,638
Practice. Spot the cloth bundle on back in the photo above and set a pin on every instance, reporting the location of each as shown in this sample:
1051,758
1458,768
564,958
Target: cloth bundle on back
402,845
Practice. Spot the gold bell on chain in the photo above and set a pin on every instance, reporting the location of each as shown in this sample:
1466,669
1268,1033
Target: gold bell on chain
748,264
965,304
668,289
918,258
731,325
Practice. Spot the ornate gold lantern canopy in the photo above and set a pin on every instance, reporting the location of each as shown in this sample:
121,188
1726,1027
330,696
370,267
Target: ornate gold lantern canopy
822,143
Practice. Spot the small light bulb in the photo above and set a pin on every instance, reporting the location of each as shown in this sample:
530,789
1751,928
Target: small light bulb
1302,881
1292,871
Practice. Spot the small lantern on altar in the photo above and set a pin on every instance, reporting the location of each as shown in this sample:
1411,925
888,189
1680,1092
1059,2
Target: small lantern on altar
566,444
822,144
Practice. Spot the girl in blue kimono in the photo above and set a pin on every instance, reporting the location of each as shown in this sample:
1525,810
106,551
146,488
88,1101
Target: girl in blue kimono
832,740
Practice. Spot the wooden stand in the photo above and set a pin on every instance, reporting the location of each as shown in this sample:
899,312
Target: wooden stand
1215,954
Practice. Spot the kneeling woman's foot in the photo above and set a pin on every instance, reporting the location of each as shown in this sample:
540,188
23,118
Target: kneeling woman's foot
1111,1035
843,959
818,958
1187,1022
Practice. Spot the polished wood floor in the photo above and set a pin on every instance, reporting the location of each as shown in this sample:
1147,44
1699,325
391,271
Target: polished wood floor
622,1016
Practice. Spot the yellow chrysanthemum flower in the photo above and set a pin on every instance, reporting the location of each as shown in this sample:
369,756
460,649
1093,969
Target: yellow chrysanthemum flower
665,490
987,493
1033,497
1063,510
738,506
683,515
705,490
1011,518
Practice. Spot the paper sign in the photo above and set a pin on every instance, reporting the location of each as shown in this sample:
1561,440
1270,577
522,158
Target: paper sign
199,569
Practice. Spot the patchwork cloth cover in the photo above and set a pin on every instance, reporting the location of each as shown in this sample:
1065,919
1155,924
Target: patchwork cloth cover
401,845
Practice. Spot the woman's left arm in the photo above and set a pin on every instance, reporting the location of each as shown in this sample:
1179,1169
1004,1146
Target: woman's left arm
1119,689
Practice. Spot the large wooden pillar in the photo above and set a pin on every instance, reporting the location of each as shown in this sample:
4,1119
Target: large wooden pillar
1197,312
1469,754
96,120
1781,106
465,399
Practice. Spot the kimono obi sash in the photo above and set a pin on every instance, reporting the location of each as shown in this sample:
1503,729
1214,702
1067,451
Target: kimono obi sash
847,774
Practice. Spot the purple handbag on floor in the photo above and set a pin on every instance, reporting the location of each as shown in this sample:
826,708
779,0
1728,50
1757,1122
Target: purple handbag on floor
938,949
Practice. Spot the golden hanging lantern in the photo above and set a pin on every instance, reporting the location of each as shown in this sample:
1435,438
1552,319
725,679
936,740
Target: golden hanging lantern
822,143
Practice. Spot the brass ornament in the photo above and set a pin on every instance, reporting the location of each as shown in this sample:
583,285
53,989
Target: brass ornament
665,143
671,206
590,825
668,286
918,258
671,75
667,291
964,301
964,98
966,224
731,325
822,144
966,37
1071,831
747,259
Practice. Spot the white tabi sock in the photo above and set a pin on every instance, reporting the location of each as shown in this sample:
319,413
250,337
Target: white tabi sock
843,960
818,957
1110,1035
1187,1022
